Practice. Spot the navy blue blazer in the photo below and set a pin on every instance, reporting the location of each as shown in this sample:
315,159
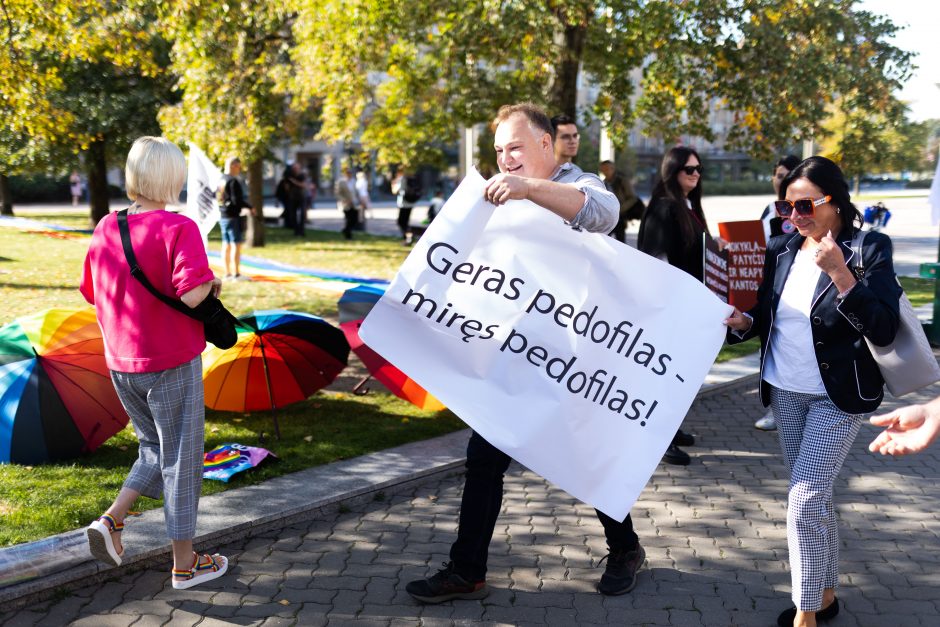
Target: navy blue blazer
849,372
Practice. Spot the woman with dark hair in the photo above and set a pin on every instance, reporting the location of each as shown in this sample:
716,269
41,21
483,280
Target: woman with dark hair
672,229
812,315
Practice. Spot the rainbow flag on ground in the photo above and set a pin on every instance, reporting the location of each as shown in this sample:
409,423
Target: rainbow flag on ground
224,461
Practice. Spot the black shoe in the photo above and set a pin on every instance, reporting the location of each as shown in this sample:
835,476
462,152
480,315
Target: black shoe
446,585
347,233
676,456
620,575
826,614
683,439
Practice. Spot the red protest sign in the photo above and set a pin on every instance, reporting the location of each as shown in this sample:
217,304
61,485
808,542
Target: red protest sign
746,245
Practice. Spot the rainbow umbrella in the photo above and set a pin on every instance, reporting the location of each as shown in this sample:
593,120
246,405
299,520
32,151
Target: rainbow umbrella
281,357
56,395
354,305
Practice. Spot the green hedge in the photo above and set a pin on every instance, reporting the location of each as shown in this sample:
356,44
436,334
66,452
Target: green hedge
42,188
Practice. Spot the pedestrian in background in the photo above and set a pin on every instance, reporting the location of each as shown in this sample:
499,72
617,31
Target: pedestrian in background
407,189
233,203
817,373
631,207
567,139
672,229
775,225
363,198
344,190
159,382
75,187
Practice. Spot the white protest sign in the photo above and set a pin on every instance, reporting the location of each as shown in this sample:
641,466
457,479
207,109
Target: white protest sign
574,354
202,182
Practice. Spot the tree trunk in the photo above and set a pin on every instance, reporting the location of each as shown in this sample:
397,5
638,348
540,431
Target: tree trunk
564,96
6,202
858,184
97,182
255,234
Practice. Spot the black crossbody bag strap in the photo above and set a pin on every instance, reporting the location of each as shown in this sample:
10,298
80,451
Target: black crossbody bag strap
138,274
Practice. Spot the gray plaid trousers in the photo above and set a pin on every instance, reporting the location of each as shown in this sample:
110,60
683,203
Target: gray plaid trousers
168,414
815,437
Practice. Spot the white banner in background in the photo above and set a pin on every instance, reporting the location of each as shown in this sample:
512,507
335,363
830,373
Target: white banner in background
934,198
202,183
574,354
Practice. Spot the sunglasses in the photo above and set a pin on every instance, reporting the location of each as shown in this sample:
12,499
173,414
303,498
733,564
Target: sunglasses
691,169
805,207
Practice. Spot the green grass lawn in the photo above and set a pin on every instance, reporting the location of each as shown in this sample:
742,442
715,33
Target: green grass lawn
42,270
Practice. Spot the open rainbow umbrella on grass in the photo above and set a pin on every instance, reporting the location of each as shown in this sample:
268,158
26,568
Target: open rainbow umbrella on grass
281,357
56,395
354,305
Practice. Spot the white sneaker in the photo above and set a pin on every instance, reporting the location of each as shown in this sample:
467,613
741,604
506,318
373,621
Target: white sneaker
767,423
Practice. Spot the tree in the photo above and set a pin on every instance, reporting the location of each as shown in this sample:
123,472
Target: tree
864,141
80,77
233,68
418,70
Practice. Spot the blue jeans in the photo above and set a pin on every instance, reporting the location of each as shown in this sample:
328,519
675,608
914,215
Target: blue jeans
482,500
231,231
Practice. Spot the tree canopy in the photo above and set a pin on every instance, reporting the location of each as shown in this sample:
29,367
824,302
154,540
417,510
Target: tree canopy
401,76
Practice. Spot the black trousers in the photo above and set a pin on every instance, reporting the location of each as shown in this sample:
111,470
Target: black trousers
482,500
404,220
351,217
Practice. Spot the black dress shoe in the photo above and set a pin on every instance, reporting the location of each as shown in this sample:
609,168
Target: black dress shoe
683,439
676,456
827,613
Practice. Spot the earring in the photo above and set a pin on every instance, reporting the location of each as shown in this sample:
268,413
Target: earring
838,210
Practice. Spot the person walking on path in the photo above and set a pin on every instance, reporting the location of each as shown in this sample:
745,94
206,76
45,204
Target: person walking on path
407,189
775,225
631,207
524,152
672,229
75,187
362,197
159,382
344,190
233,202
817,373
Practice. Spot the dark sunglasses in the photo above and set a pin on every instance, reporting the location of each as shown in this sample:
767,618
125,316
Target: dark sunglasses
805,207
691,169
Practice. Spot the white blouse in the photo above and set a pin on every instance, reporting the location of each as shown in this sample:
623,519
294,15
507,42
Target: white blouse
791,359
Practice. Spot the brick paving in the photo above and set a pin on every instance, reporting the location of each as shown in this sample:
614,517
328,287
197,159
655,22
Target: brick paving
714,534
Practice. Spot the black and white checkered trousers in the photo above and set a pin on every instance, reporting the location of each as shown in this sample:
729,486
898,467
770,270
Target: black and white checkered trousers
168,414
815,437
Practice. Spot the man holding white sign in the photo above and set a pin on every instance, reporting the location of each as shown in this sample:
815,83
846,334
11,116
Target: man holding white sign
524,151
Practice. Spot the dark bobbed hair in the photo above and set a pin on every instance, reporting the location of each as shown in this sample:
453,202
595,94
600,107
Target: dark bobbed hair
787,161
667,188
827,176
534,114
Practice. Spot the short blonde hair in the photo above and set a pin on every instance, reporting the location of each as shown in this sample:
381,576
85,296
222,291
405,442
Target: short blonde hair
155,170
230,162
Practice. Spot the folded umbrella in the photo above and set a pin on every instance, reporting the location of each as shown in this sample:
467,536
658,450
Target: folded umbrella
56,396
281,357
354,305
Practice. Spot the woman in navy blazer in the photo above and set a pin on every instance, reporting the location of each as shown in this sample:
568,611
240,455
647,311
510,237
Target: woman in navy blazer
812,315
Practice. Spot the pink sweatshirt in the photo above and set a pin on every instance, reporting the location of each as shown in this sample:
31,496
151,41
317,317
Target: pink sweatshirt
142,334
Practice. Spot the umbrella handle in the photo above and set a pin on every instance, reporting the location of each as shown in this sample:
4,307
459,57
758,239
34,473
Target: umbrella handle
358,389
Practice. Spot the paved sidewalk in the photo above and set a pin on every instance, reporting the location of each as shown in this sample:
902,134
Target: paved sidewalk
714,534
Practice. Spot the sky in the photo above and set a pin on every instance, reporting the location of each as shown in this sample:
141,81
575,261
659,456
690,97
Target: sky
921,35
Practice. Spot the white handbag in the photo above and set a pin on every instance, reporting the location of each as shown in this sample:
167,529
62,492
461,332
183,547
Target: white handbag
908,363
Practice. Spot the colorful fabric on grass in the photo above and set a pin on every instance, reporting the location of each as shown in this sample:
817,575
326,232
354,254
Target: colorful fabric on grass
224,461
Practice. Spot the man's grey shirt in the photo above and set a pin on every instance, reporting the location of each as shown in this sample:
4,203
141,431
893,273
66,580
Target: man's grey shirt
601,208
